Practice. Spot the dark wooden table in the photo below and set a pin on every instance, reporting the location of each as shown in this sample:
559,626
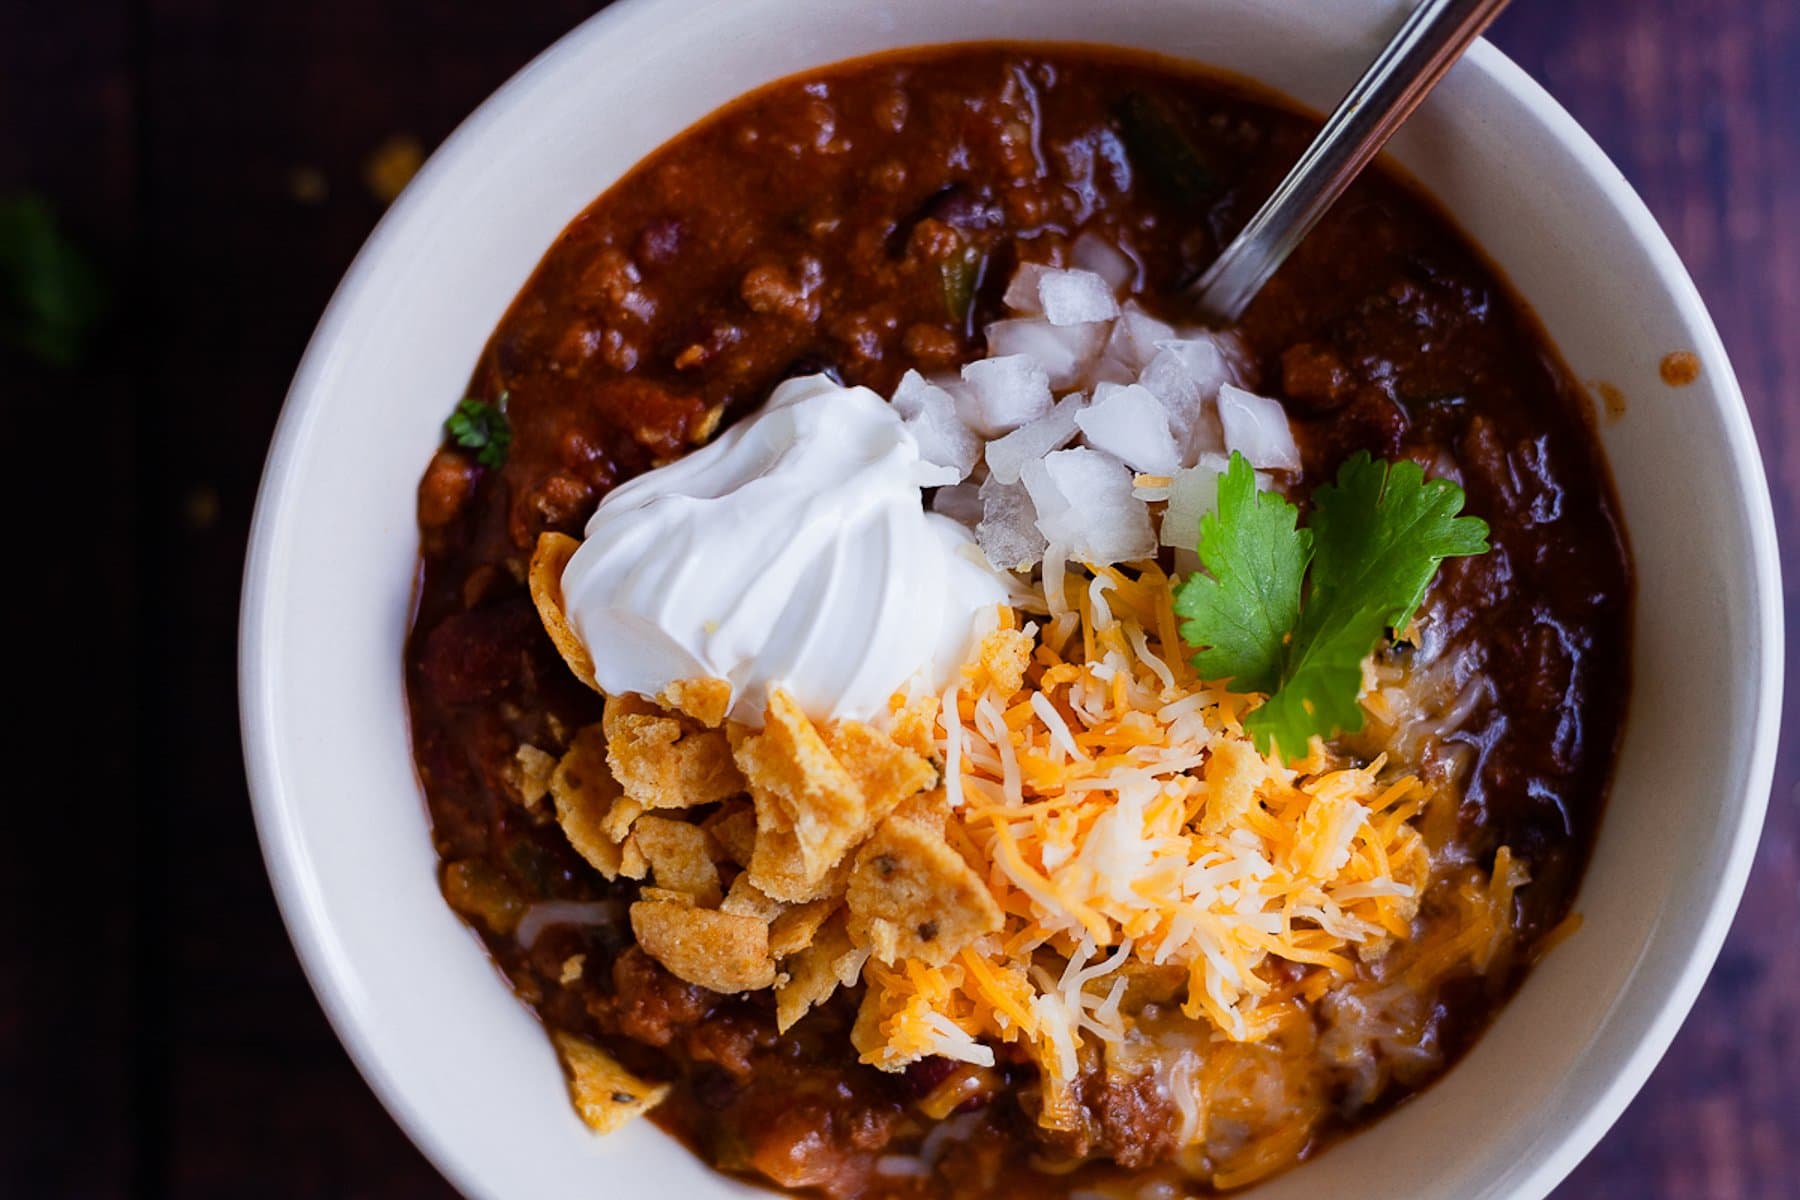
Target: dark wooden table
156,1036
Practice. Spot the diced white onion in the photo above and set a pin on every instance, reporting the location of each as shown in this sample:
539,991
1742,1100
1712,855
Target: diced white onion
1022,289
1091,252
1008,529
1076,298
1003,393
1136,336
929,414
1257,427
1084,502
1063,351
1129,423
1193,493
1052,431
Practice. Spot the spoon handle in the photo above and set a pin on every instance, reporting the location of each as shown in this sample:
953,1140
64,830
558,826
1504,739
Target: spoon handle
1432,38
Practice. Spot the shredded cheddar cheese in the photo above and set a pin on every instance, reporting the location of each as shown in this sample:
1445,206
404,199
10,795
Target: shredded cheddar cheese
1128,829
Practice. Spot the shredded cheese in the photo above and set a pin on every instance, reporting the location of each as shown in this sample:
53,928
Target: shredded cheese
1125,824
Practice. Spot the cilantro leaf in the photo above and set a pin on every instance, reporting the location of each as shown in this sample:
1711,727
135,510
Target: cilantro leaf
482,427
1320,683
1373,543
1240,616
1382,530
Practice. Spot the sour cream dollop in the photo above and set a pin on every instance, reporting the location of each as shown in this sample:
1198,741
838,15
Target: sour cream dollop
794,551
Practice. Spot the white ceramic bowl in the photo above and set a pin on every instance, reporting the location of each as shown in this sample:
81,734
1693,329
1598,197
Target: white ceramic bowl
465,1068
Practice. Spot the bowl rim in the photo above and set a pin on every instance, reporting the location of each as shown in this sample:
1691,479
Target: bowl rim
295,884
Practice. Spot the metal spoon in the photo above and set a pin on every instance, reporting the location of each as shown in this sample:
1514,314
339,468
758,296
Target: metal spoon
1408,67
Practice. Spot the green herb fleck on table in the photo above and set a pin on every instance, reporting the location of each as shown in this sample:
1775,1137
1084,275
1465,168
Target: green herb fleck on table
1291,612
482,427
51,297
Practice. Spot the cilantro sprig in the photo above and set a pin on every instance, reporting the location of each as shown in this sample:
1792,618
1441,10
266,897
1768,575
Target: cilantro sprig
482,427
1291,612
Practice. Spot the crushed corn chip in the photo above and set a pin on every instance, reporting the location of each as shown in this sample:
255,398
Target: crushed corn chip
885,771
632,863
799,786
733,827
912,896
705,700
930,809
829,962
793,929
620,818
533,769
1001,660
605,1093
746,899
544,578
720,951
680,857
585,795
913,723
779,869
666,761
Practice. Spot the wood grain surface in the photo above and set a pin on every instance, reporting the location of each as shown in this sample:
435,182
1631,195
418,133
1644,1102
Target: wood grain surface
156,1035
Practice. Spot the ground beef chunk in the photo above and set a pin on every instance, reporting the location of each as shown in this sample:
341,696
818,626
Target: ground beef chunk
1126,1118
650,1005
